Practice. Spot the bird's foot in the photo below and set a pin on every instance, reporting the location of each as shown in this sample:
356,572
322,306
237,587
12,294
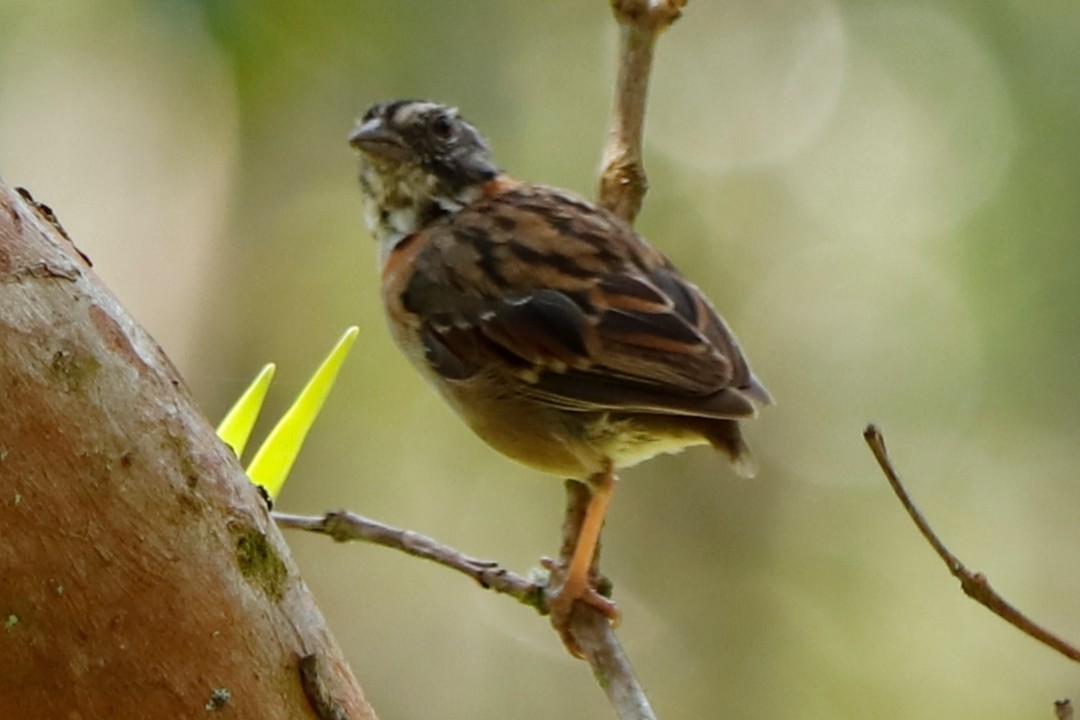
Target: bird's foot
563,597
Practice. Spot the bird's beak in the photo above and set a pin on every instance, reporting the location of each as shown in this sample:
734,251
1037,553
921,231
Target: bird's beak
374,138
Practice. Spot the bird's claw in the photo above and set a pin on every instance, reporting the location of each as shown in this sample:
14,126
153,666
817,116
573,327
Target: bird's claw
562,599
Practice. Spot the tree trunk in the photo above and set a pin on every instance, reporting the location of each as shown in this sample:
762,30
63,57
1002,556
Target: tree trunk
140,575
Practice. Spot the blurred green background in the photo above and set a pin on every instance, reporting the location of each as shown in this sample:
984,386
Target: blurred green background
882,198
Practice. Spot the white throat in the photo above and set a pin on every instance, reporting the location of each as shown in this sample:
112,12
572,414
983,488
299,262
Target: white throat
399,204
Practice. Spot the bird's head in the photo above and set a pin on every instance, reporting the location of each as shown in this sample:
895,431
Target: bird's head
418,159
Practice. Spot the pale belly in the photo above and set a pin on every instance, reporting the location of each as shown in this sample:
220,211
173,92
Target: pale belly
568,444
565,443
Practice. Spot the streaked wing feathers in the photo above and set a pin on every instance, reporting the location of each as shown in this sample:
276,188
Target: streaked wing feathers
584,312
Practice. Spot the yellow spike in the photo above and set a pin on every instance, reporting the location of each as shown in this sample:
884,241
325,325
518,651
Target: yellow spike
271,465
235,428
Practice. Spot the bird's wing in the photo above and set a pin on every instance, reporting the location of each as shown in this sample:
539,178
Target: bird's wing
567,298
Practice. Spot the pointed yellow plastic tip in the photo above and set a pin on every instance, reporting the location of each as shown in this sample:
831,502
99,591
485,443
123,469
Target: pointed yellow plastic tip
235,428
275,457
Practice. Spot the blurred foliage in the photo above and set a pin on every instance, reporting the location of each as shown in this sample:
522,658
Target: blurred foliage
880,197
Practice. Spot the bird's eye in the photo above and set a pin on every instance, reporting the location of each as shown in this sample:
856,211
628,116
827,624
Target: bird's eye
442,127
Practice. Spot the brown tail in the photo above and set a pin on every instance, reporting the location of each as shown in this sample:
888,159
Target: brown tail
724,435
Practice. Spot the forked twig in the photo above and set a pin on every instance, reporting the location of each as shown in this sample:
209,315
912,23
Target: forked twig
974,584
591,629
622,189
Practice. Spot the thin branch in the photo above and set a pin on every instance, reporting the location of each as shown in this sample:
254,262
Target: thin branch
622,188
974,584
344,526
593,631
622,172
1063,709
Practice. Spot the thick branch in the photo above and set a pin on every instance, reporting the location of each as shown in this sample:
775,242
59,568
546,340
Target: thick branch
141,574
974,584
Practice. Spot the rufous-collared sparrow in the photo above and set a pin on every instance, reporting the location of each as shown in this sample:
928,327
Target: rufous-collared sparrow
552,328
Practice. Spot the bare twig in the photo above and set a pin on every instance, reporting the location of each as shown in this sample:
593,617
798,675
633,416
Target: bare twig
345,526
1063,709
622,172
593,631
622,188
974,584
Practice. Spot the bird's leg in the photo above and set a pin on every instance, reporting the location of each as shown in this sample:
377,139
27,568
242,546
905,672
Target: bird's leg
576,582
